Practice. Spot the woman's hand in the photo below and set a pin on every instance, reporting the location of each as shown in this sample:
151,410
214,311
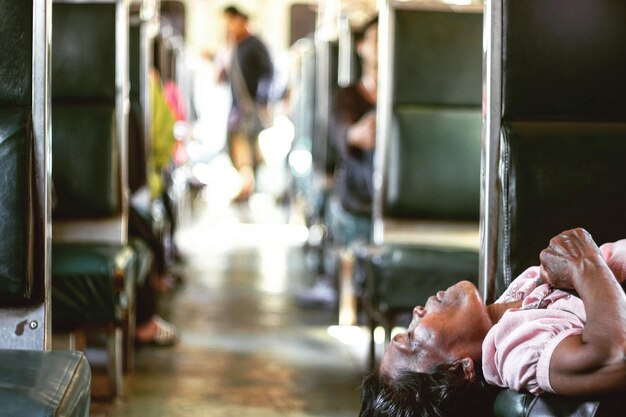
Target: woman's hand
570,257
591,362
615,256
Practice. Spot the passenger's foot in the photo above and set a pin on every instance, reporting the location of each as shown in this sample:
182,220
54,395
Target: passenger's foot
156,332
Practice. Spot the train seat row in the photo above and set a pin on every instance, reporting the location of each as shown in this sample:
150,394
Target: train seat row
68,266
33,382
426,210
554,139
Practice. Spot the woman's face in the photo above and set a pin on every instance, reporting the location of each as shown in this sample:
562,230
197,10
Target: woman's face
451,326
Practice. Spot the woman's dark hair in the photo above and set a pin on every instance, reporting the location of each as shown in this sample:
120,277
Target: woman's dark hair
443,393
235,12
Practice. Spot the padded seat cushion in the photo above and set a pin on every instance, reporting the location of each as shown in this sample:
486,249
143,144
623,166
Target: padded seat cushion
433,164
89,281
85,160
83,52
544,197
438,59
15,191
399,277
511,403
44,384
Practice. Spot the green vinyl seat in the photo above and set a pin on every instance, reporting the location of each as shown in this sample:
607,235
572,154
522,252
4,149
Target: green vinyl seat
93,267
90,282
396,278
15,201
33,382
558,136
428,163
44,384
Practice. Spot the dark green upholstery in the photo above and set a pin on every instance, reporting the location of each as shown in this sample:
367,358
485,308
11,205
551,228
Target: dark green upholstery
438,58
16,217
563,143
558,176
564,126
432,169
83,52
44,384
514,404
434,164
16,22
396,278
84,143
32,383
134,62
88,282
137,164
571,69
85,160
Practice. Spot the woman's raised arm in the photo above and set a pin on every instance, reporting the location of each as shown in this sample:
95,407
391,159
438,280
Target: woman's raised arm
594,361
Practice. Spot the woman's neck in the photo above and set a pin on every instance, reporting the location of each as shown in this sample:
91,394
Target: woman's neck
496,311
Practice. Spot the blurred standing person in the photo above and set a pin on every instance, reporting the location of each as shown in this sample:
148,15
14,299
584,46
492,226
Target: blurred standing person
250,73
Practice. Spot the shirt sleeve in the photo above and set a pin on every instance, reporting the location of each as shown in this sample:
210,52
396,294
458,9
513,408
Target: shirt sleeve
518,349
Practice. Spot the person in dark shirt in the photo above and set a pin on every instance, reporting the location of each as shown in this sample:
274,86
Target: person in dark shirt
250,75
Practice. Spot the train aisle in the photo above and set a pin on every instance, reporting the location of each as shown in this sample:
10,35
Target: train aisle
247,348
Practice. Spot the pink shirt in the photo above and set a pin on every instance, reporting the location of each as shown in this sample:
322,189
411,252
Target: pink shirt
517,350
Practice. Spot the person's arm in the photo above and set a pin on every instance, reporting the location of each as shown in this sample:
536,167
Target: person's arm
362,134
594,361
614,254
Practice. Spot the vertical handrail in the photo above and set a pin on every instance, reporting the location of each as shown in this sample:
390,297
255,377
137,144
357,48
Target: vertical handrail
384,111
492,104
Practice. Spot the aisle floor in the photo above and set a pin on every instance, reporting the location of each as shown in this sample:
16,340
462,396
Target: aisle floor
247,348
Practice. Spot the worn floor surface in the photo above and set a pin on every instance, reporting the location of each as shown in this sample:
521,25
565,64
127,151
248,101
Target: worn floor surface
247,348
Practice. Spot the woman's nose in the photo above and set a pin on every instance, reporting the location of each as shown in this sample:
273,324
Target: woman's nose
419,311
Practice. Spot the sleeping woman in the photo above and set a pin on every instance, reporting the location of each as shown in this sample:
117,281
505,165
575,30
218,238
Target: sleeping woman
458,352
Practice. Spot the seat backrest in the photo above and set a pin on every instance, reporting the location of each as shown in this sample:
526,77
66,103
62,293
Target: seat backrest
555,130
89,95
427,160
25,180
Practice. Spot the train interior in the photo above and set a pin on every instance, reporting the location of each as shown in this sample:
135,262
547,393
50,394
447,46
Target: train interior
173,246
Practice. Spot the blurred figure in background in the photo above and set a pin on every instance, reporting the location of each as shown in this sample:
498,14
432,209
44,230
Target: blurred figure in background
353,133
352,130
250,74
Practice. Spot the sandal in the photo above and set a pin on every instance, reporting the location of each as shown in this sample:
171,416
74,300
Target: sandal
164,334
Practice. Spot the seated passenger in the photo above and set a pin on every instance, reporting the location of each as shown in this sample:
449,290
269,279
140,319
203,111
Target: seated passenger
353,133
457,350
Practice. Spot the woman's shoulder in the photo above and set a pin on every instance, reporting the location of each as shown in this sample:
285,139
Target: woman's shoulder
522,286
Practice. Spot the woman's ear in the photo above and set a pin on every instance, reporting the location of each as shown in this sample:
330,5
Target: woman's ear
467,364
